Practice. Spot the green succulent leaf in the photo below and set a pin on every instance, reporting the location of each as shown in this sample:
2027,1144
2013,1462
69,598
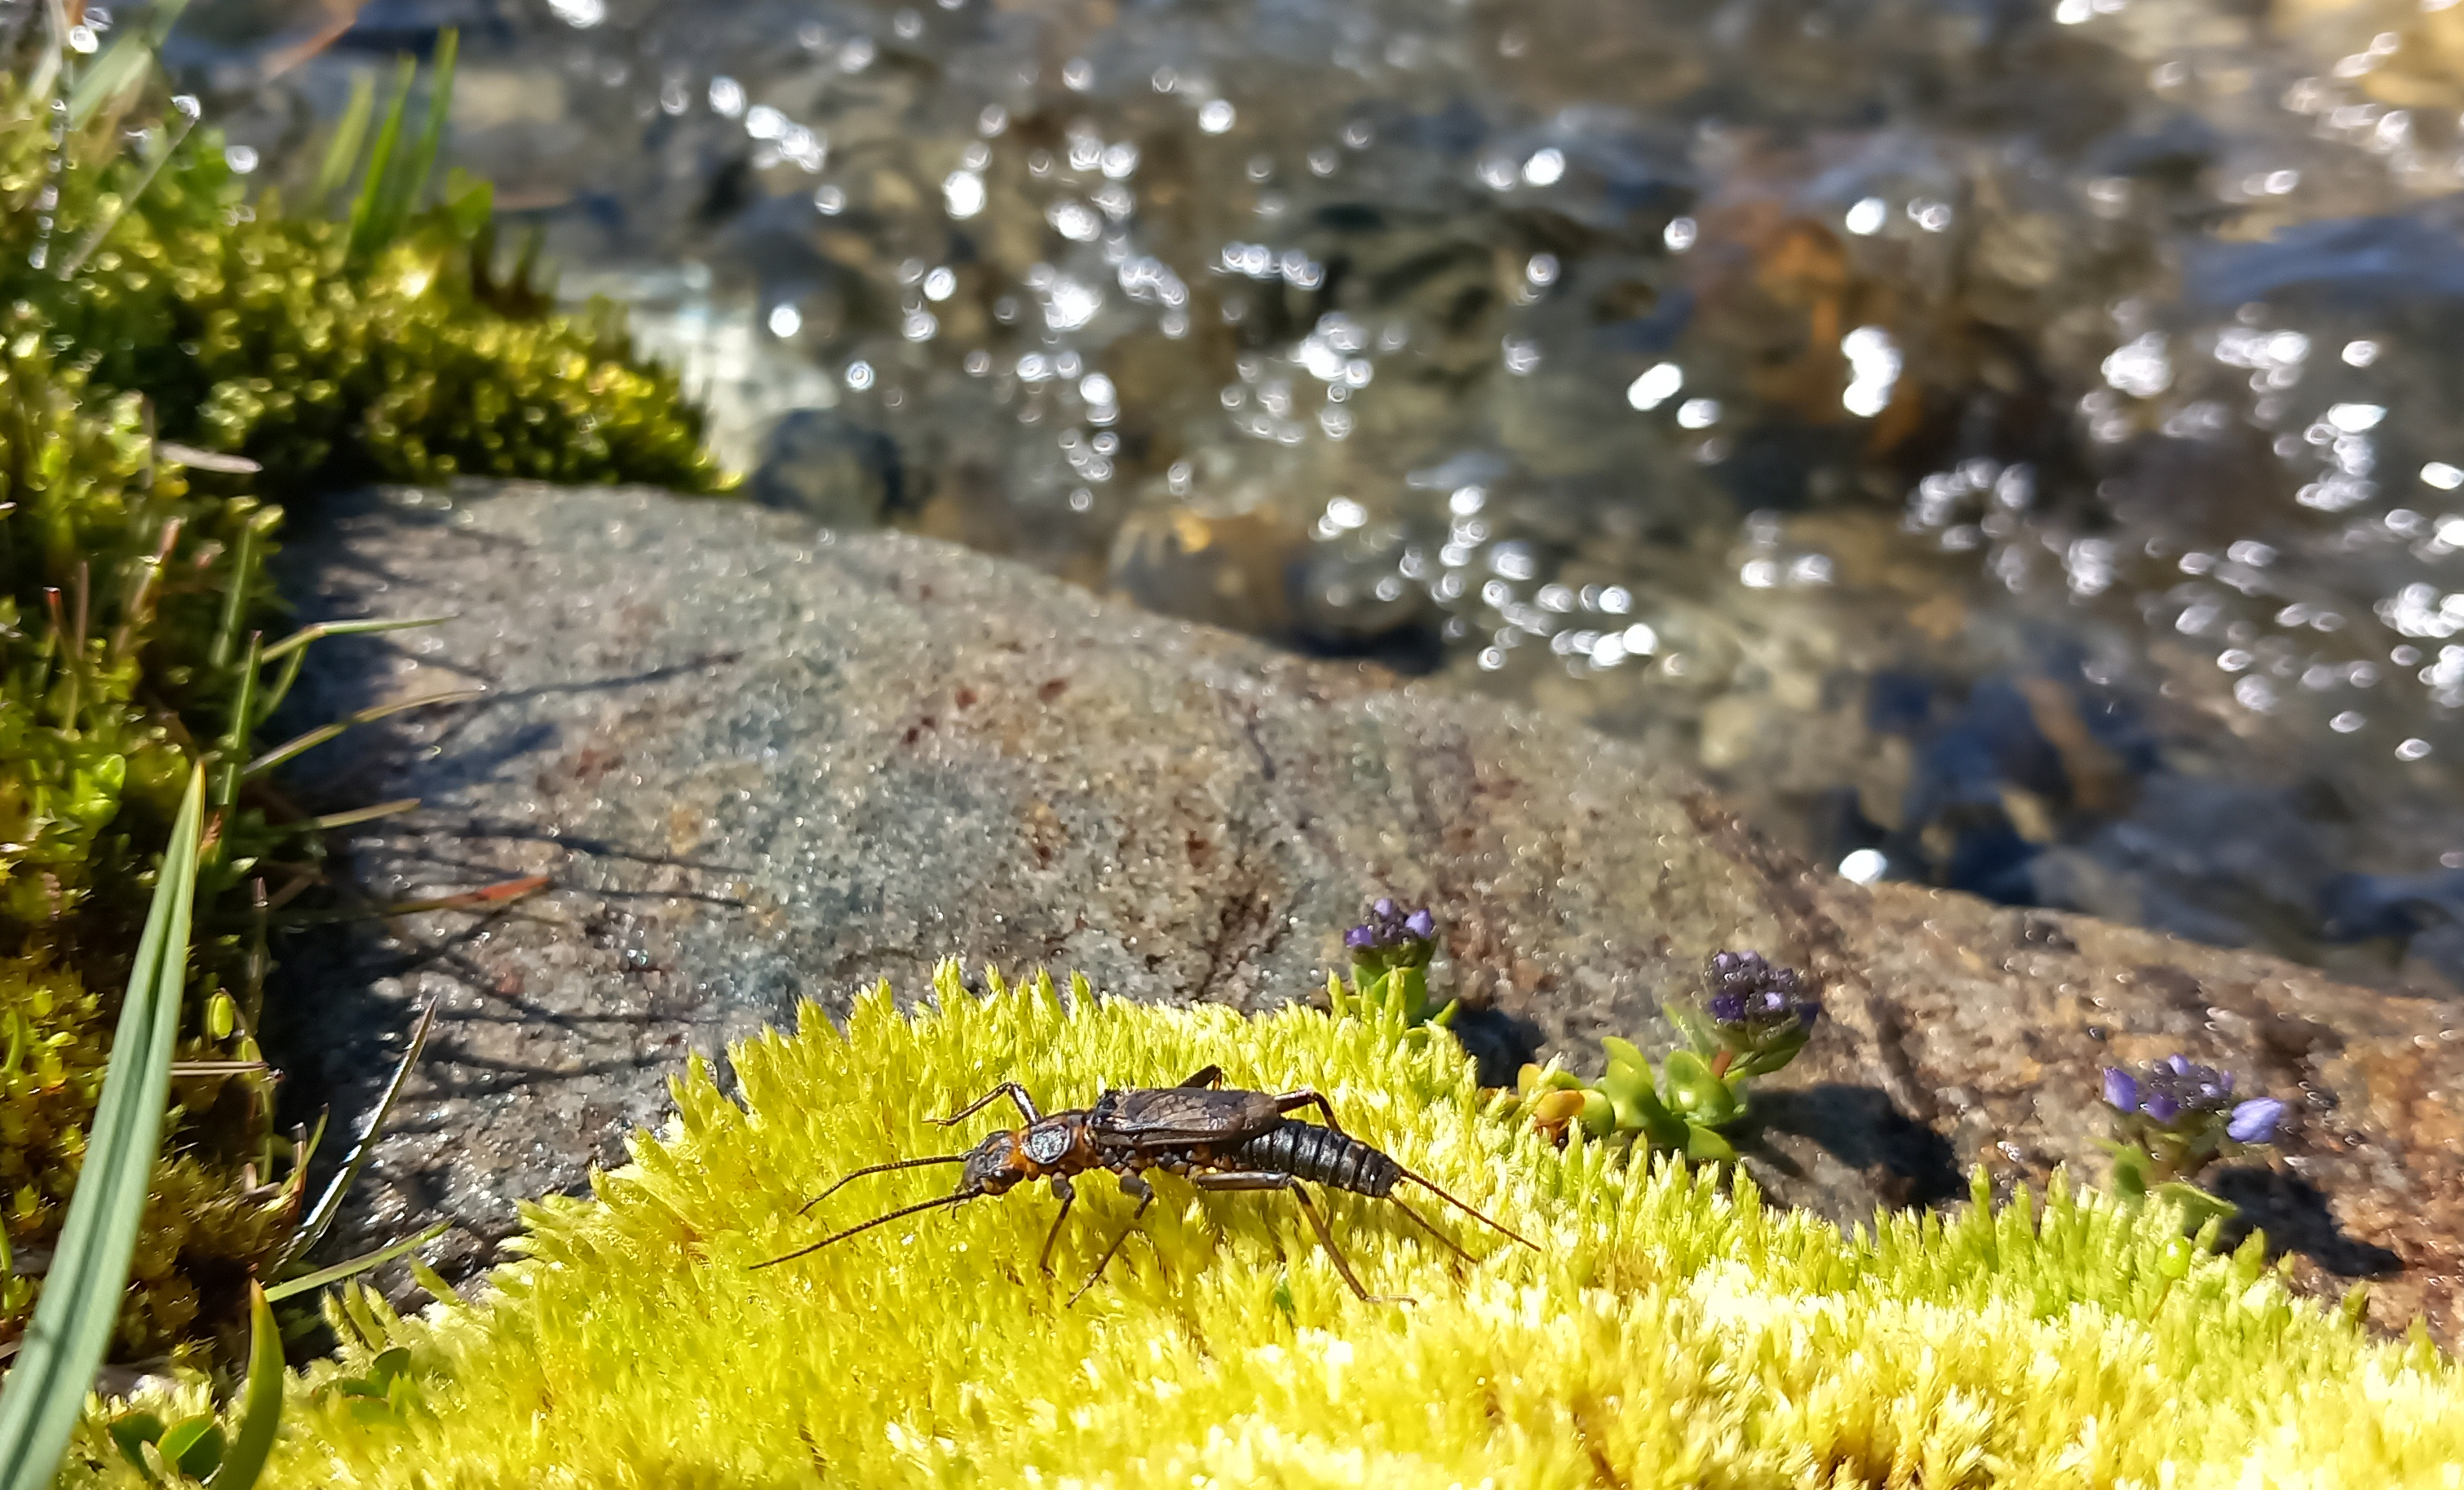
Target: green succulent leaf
1625,1052
1697,1095
1599,1114
1703,1145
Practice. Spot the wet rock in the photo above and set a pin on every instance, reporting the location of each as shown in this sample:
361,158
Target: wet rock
759,763
836,472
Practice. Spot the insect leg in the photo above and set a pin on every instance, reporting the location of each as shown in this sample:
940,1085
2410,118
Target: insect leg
1259,1179
1010,1089
1131,1184
1069,1195
1211,1076
1308,1097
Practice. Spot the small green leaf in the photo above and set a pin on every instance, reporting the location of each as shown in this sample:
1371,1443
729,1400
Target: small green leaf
193,1445
1774,1052
1600,1115
356,1265
2199,1208
130,1432
1698,1031
260,1399
2132,1168
1694,1093
1703,1145
1623,1052
221,1015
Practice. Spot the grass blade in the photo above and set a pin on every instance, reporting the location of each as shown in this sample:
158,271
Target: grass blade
89,1273
325,628
301,744
413,181
391,1250
343,152
330,1204
293,649
367,205
121,63
352,818
260,1410
102,230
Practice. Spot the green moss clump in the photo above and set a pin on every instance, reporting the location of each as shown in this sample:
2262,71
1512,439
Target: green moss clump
260,332
130,588
1669,1334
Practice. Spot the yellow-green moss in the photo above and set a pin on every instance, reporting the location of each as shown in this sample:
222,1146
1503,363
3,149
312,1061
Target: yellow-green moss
1668,1335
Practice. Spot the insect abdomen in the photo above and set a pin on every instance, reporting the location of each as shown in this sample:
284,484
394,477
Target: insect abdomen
1305,1151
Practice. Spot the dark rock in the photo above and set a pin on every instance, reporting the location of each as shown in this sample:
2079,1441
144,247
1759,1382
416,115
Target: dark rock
761,764
839,473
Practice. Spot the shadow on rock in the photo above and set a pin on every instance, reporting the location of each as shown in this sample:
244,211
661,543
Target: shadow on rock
1499,1042
1860,1127
2294,1215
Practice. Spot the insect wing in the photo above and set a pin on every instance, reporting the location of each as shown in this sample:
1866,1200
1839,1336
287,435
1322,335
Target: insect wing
1162,1116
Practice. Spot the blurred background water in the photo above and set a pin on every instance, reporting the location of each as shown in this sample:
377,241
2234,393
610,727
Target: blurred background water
2007,444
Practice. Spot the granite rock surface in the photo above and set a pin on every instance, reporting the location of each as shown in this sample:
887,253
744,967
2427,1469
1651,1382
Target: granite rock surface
757,762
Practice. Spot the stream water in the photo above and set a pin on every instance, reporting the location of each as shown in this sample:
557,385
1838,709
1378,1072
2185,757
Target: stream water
2007,444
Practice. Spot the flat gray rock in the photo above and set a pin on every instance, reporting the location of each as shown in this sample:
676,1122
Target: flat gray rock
759,763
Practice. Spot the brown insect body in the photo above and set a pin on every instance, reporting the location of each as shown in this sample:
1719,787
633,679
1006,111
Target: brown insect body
1218,1138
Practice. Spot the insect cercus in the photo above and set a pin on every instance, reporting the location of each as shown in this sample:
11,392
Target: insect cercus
1217,1137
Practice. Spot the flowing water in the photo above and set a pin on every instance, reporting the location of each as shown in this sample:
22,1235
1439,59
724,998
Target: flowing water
2012,446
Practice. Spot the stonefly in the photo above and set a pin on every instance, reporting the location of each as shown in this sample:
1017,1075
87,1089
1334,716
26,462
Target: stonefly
1218,1138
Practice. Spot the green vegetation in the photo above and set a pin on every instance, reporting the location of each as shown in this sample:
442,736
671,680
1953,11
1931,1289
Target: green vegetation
180,360
1673,1332
83,1289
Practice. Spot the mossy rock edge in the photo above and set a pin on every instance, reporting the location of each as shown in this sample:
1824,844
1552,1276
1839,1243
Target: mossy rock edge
1668,1333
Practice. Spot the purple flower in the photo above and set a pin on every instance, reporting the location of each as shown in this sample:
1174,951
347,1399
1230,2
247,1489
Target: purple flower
1391,939
1747,989
2190,1100
2255,1122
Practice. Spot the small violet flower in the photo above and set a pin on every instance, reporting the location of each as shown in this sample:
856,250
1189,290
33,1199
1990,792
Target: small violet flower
2185,1115
1748,993
1752,1018
1390,939
2255,1122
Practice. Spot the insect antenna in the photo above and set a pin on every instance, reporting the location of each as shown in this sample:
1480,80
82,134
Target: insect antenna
876,1169
1429,1184
878,1221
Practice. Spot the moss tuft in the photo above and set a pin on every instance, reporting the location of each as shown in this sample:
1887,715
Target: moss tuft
1670,1335
143,294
